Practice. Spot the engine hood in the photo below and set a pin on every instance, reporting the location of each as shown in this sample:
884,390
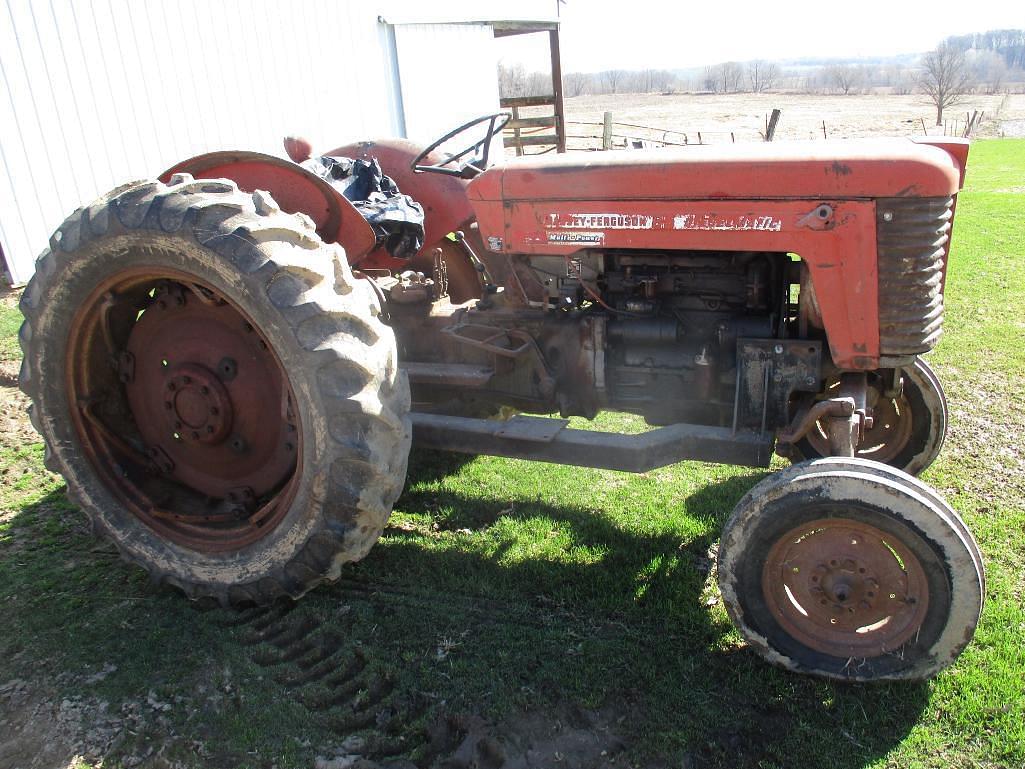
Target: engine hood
861,168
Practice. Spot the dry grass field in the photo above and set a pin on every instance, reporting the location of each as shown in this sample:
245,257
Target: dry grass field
861,115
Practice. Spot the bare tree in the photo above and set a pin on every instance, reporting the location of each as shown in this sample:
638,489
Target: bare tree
664,81
898,79
989,70
762,75
611,79
727,77
512,81
538,84
645,80
844,77
575,83
945,78
708,82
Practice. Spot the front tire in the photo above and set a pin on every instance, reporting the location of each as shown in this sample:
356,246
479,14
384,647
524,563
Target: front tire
216,389
847,573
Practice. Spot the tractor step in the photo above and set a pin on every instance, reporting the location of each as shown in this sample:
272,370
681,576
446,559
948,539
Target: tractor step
453,374
531,438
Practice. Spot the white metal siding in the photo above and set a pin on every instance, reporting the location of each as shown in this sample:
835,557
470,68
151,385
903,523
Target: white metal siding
97,92
448,74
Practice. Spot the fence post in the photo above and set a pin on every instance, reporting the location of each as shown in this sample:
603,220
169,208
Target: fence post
770,129
606,135
516,131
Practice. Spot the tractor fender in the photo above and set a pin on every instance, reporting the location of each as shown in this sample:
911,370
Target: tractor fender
294,188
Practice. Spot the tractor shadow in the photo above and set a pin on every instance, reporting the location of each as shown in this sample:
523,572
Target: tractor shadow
451,644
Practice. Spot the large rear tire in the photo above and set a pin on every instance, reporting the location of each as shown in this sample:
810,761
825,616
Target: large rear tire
216,388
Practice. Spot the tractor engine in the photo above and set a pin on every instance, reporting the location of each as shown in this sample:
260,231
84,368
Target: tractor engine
644,332
674,320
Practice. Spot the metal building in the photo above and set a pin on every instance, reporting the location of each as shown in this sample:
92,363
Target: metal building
94,93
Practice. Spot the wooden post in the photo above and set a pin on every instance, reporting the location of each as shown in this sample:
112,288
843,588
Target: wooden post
516,132
606,135
559,106
971,123
924,129
824,134
770,128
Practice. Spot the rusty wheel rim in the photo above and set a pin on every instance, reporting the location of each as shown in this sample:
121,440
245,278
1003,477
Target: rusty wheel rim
845,588
884,440
184,409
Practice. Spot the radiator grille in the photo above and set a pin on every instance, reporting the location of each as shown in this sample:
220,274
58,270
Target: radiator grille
912,236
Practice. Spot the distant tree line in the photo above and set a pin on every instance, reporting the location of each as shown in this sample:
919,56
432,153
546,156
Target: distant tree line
992,62
1008,44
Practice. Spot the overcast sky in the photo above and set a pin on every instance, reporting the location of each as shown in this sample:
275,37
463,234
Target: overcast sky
641,34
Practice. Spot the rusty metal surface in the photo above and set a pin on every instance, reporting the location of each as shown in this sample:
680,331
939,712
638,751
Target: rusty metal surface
769,373
293,188
808,419
192,430
839,250
208,393
845,588
768,171
913,239
451,374
886,435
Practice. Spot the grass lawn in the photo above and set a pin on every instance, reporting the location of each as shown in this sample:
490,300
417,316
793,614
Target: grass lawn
515,603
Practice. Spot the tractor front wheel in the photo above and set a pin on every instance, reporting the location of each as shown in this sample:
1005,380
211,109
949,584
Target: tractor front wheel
836,569
216,388
907,431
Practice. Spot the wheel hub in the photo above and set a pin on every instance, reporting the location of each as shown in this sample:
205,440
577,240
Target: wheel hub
197,404
845,588
207,393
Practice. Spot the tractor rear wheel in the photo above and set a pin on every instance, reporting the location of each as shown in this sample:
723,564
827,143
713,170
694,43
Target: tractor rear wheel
836,569
907,431
216,388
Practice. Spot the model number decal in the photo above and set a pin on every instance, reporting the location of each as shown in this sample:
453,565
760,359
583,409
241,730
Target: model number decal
729,223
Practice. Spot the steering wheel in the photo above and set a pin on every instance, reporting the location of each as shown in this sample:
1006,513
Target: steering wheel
453,165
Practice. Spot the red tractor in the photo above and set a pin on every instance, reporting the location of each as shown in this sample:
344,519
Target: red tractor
228,365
